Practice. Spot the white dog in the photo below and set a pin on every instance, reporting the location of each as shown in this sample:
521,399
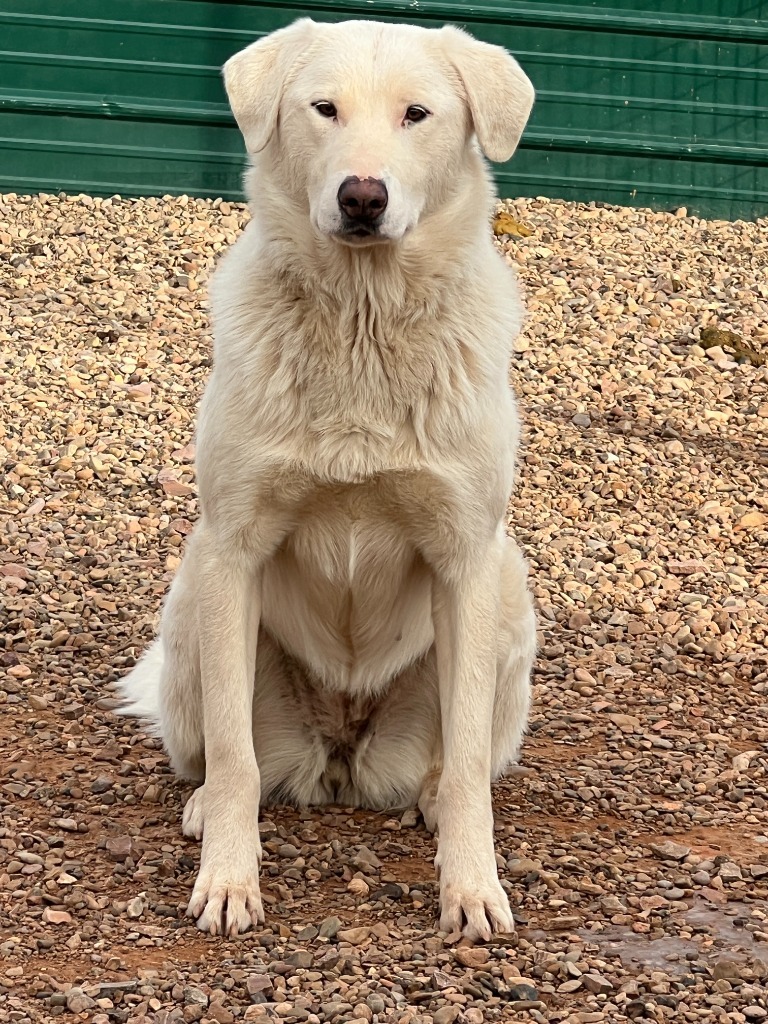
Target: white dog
350,622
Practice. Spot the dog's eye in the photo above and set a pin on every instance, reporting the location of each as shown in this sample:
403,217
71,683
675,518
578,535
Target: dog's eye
324,108
415,114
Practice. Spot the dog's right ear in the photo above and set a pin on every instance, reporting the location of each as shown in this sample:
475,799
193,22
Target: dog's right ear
254,79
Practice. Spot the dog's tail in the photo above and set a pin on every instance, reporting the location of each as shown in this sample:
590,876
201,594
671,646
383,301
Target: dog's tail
139,691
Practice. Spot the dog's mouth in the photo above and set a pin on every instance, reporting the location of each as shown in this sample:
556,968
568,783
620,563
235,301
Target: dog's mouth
361,237
355,232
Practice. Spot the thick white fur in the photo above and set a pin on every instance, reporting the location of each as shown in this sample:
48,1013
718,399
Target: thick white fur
350,622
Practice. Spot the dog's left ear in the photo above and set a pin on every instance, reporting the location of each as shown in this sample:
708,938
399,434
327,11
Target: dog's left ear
499,92
255,77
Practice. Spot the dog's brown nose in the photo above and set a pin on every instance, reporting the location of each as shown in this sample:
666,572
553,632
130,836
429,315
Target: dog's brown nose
363,199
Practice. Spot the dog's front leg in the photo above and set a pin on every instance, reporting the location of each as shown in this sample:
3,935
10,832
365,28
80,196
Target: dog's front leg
466,617
226,898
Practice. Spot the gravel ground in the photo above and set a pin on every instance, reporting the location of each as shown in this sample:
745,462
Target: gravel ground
633,838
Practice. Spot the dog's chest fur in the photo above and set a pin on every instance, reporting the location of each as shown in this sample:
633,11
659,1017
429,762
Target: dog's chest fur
348,390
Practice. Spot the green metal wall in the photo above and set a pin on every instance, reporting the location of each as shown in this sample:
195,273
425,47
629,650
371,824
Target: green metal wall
642,102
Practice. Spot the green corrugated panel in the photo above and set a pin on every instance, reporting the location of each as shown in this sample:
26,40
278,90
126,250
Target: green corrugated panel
652,102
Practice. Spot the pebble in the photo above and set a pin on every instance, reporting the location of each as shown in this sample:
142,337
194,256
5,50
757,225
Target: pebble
597,983
119,848
301,958
670,850
194,996
78,1001
473,956
135,907
51,916
355,936
522,991
446,1014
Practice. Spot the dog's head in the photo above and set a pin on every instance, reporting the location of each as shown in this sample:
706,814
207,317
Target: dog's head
367,125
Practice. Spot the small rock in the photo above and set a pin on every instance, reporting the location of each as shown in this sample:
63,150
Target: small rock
366,859
730,872
612,905
726,970
579,620
446,1014
194,996
354,936
674,894
564,924
119,848
626,723
51,916
65,824
597,983
333,1007
358,887
300,958
390,891
670,850
519,867
637,1009
220,1014
755,1012
78,1001
329,928
258,987
472,956
573,985
742,761
135,907
522,991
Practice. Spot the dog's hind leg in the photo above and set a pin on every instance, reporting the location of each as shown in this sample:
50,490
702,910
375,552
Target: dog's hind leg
181,694
427,802
164,688
516,652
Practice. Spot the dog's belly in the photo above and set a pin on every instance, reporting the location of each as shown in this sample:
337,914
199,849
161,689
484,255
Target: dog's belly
348,595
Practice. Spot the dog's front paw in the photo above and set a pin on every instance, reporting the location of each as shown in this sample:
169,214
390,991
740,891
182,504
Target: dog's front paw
226,899
478,910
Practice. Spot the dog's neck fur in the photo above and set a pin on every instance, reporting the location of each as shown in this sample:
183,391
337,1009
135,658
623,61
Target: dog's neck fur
434,259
